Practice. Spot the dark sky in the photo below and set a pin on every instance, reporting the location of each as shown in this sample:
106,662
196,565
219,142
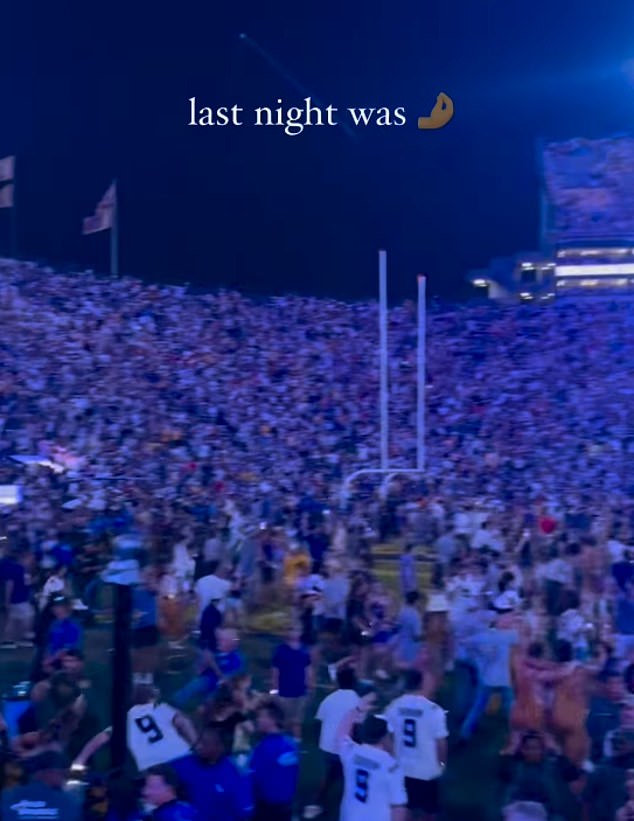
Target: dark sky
93,90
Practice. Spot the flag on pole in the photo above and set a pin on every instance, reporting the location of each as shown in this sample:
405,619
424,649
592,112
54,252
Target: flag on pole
7,169
6,196
103,218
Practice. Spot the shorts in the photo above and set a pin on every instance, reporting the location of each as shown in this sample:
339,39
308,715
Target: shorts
145,637
333,768
294,709
265,811
423,796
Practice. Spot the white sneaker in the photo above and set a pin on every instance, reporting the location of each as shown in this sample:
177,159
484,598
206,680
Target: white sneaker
312,811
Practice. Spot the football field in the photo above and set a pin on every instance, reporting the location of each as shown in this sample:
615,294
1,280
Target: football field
470,789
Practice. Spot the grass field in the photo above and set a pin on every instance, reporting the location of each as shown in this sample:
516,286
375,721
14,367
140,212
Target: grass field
469,784
469,787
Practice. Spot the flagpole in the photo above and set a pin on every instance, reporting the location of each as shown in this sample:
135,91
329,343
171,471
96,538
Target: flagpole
14,215
114,235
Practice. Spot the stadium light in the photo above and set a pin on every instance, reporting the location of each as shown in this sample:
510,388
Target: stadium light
526,295
481,283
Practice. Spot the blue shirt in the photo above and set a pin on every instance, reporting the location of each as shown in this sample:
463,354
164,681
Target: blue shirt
6,565
624,616
218,791
409,582
63,554
228,663
63,635
15,572
145,613
51,803
291,663
176,811
493,655
275,769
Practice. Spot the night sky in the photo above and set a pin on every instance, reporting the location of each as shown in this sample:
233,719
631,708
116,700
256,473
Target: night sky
97,90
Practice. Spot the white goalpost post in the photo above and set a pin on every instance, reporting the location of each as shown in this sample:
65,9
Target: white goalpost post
384,391
384,395
421,372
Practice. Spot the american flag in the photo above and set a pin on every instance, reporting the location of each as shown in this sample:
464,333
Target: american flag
7,169
6,196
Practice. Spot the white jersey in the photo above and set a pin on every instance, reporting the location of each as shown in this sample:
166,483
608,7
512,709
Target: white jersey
373,783
417,724
152,737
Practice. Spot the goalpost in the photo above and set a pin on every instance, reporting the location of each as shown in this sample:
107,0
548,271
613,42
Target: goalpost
384,396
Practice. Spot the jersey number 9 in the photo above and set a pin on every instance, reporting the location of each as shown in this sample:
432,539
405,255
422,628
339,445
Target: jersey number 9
149,728
409,732
362,777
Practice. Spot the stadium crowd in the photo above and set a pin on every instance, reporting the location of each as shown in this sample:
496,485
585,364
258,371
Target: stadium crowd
220,430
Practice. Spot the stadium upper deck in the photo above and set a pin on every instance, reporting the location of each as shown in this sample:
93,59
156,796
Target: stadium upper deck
587,233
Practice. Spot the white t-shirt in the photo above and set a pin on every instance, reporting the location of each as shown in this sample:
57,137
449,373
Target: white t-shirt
556,570
331,713
183,568
418,724
152,737
52,585
212,588
482,538
212,551
616,549
373,783
169,585
313,584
